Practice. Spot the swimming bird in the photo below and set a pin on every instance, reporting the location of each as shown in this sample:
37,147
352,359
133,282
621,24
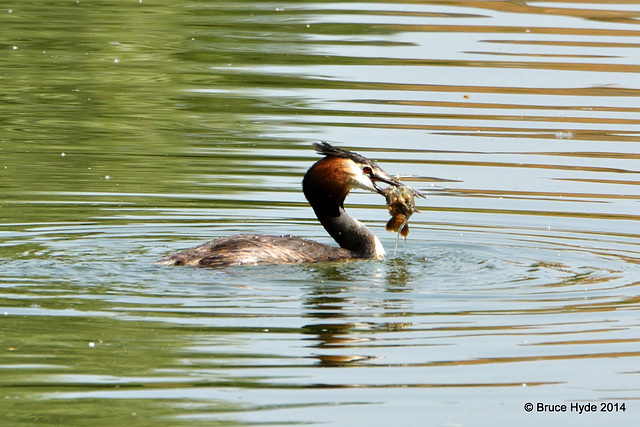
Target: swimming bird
325,185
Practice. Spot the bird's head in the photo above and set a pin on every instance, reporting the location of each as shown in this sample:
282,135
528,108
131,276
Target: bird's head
342,171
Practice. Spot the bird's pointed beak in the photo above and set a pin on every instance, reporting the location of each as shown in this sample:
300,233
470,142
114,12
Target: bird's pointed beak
386,179
383,177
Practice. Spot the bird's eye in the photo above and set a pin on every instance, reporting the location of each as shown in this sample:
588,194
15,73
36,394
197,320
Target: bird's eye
367,170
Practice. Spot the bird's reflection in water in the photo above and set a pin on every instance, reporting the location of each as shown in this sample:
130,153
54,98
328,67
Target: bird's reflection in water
345,303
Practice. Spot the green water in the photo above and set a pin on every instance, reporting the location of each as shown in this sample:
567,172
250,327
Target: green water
129,130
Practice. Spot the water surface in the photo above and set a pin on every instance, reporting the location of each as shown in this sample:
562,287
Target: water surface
128,131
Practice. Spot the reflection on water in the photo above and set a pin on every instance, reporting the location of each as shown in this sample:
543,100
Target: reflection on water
130,131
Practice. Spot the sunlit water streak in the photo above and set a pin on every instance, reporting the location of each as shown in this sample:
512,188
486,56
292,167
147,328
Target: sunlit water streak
518,282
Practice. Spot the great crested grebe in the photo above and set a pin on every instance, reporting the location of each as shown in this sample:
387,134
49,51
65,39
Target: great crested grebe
325,185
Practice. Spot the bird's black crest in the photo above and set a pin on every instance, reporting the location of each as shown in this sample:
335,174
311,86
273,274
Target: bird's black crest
329,150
